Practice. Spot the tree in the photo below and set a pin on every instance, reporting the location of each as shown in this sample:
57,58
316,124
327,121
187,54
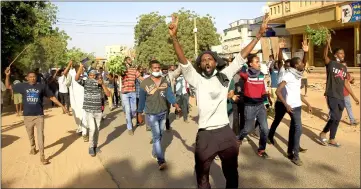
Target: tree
77,55
152,38
45,52
116,65
21,24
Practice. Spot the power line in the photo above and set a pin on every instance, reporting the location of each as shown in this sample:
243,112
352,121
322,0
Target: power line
93,25
71,19
104,33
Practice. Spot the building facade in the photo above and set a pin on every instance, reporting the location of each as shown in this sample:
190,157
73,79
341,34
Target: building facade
121,50
342,17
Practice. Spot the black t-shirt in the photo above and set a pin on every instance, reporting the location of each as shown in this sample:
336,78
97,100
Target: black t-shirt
33,97
336,75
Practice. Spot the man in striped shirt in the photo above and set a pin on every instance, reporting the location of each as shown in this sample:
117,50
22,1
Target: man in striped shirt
129,95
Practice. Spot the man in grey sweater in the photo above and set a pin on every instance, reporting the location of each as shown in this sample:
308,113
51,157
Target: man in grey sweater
214,136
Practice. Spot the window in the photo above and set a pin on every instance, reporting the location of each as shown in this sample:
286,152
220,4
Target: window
274,9
300,3
271,11
279,9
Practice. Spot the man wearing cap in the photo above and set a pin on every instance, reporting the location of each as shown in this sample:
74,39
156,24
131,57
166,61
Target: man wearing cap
92,105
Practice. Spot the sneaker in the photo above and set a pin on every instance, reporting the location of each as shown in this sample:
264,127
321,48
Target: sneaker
162,166
134,122
92,151
297,161
148,128
32,152
130,132
79,133
86,138
44,161
216,158
154,156
104,116
263,154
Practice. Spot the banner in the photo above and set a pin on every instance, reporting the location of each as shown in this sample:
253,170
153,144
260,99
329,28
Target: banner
351,12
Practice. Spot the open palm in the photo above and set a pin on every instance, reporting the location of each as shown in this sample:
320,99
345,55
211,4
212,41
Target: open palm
305,45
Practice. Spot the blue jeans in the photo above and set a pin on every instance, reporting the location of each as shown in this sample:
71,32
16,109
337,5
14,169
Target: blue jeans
157,124
295,132
129,102
349,108
259,113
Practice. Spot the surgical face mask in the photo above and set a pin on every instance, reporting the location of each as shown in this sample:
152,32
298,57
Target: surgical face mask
157,74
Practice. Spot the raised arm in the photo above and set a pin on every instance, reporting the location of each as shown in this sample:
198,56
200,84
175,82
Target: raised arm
239,59
262,30
282,45
190,74
173,34
79,72
325,52
7,79
53,78
68,67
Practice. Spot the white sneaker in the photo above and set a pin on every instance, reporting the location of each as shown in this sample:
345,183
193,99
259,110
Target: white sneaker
134,121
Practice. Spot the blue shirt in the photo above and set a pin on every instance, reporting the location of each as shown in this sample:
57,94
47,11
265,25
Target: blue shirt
33,97
274,78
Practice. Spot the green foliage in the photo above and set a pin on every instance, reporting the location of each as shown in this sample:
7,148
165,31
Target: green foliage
77,55
21,24
318,36
116,65
152,37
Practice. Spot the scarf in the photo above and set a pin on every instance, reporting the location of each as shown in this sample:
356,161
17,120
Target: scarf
295,72
253,73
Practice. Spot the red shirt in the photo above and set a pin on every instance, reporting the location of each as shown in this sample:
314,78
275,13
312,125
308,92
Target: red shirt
128,81
345,92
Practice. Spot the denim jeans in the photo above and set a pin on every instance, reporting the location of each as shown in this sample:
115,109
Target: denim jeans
295,132
129,102
157,124
250,114
349,108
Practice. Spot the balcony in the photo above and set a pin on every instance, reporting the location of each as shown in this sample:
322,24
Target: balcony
280,10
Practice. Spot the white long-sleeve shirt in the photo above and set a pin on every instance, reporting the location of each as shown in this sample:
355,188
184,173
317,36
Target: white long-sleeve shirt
181,86
211,94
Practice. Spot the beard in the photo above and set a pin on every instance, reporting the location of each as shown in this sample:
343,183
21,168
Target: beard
208,73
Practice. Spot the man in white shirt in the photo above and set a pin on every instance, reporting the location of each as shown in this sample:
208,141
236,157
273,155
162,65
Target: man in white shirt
182,96
214,136
292,101
63,88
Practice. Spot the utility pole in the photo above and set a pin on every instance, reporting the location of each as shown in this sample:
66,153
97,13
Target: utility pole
195,38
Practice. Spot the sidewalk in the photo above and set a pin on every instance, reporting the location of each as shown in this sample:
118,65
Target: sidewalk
70,167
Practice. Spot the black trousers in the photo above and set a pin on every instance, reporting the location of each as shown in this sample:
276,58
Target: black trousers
116,97
209,144
167,122
280,111
336,107
64,99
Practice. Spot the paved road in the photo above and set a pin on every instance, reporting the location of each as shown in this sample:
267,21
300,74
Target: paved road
125,161
128,158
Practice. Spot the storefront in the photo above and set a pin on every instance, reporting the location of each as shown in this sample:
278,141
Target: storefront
344,18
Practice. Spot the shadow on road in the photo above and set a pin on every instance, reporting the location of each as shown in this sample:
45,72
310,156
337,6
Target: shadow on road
65,142
114,134
318,112
6,140
125,175
109,118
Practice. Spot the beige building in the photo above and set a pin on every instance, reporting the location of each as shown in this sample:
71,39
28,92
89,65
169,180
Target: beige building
334,15
114,50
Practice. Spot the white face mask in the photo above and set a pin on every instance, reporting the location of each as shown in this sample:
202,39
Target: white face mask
157,74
